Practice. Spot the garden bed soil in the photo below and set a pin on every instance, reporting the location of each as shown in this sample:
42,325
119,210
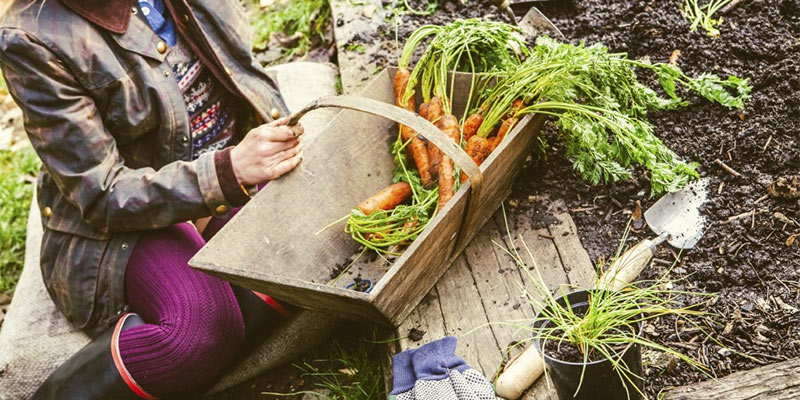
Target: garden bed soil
747,256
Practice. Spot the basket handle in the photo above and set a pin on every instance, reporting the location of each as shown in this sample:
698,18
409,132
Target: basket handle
404,117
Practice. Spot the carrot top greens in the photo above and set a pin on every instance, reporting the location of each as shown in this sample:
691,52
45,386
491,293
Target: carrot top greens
469,45
601,108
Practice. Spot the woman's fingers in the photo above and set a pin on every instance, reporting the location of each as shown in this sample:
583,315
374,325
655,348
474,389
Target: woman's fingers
269,149
298,129
285,166
280,133
279,122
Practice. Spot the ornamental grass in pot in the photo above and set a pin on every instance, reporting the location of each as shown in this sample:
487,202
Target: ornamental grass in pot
591,339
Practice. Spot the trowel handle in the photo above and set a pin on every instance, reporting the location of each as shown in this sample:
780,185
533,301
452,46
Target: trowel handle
630,264
520,374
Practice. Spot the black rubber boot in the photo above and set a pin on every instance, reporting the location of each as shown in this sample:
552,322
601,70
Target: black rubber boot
92,373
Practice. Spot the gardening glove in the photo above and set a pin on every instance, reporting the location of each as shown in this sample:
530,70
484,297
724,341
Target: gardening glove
434,372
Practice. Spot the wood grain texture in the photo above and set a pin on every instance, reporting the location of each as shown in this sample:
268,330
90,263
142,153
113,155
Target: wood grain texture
573,256
779,381
354,54
468,323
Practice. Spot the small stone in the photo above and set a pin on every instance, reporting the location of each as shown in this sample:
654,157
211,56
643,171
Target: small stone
368,11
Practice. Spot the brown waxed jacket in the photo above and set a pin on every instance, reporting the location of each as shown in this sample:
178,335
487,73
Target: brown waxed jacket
110,125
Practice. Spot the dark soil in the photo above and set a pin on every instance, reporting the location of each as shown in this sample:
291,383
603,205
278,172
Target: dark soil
746,256
415,334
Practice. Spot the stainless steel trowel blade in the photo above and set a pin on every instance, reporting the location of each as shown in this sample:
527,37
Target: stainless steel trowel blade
678,215
534,23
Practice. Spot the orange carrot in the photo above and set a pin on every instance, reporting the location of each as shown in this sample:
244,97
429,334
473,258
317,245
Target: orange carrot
471,125
505,128
449,125
401,79
487,150
418,151
435,109
423,110
387,199
434,114
517,105
508,123
477,150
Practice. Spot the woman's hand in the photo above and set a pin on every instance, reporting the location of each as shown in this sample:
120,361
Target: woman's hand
267,152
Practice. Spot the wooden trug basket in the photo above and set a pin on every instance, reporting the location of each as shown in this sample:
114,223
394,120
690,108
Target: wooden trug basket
278,244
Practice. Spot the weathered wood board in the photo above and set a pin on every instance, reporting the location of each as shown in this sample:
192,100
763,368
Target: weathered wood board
779,381
356,42
485,293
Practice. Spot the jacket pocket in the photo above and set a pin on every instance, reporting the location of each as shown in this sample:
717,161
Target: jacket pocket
70,266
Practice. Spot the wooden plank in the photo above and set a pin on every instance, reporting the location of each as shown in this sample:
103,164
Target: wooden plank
347,303
573,256
499,171
354,31
280,231
426,319
779,381
501,288
542,247
463,312
422,264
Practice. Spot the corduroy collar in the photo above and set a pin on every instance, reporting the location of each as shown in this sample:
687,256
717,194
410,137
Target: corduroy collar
112,15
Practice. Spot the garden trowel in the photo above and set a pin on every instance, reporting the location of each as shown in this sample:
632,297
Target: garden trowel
676,219
533,23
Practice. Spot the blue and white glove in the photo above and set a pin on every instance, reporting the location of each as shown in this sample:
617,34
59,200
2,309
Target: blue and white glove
434,372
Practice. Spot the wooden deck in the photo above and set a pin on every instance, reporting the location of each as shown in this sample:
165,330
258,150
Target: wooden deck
485,287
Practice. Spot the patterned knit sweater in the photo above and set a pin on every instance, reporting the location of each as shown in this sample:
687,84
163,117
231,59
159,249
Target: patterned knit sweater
211,115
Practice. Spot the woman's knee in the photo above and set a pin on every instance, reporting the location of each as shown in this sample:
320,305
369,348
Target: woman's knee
206,328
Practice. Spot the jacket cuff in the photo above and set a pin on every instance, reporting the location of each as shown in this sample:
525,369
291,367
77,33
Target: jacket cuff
210,187
234,193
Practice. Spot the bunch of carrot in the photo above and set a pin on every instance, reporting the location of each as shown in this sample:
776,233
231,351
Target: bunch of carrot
395,215
594,96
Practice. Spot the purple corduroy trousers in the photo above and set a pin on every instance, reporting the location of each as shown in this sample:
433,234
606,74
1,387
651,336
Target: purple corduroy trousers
194,325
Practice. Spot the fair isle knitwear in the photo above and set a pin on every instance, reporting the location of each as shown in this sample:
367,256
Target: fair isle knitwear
211,116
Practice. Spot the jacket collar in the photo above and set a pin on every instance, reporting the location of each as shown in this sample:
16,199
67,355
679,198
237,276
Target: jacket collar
112,15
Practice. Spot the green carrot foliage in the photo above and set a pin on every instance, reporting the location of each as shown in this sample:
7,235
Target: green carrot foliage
601,109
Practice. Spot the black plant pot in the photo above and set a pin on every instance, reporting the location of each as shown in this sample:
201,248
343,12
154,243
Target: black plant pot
600,380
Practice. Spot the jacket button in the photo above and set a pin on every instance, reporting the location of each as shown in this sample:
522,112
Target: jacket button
222,209
124,246
185,138
47,212
161,47
186,18
228,71
166,73
275,113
